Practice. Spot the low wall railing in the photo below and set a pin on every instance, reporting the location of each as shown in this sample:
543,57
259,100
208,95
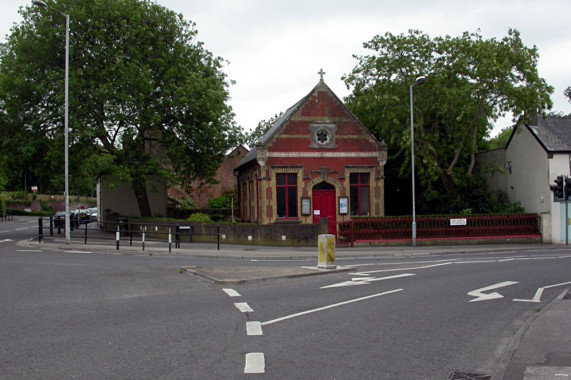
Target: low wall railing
439,227
122,232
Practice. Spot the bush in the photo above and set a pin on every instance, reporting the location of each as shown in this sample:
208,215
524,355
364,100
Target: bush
199,218
224,201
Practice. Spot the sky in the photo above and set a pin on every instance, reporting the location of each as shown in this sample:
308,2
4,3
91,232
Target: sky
275,48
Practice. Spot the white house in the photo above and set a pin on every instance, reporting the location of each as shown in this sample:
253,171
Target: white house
534,156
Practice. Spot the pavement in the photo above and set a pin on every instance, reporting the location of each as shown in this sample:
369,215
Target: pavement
541,349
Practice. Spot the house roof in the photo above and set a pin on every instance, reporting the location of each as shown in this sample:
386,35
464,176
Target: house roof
553,133
274,129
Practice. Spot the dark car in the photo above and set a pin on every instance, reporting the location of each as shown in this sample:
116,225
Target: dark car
59,219
83,217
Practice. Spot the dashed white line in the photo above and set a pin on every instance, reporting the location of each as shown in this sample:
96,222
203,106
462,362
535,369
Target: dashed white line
243,307
231,292
254,328
255,363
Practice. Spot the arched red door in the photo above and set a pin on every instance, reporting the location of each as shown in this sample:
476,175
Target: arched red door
323,196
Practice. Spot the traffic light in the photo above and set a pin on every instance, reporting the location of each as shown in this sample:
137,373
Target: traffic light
567,186
558,188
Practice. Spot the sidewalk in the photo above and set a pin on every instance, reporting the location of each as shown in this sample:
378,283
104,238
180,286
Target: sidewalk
540,350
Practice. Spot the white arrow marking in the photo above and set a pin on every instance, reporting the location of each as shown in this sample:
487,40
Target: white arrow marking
481,296
400,269
5,240
539,292
365,280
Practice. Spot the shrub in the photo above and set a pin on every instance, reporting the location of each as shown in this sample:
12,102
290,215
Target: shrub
199,217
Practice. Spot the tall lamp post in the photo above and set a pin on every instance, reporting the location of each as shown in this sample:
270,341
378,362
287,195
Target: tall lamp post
420,80
66,118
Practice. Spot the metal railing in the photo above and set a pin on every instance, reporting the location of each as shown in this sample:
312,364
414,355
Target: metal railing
6,215
122,232
440,227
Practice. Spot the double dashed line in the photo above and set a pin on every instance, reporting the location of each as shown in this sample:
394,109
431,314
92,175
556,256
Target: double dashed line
254,361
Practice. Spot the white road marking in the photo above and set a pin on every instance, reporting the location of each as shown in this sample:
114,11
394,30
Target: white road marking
481,296
6,240
539,293
243,307
231,292
30,250
23,228
329,307
400,269
254,328
365,280
255,363
77,251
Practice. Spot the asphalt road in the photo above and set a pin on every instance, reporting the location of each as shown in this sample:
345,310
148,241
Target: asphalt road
106,315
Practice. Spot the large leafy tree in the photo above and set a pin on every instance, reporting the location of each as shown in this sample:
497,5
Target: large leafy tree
471,81
146,98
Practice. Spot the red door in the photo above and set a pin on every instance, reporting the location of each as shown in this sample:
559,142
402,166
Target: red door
324,205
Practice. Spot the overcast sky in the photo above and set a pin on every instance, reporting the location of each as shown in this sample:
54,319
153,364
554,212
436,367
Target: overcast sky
275,48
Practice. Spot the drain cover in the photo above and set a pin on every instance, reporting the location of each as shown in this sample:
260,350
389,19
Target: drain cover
468,376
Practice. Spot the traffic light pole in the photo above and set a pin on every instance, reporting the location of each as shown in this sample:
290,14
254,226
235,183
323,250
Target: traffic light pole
566,211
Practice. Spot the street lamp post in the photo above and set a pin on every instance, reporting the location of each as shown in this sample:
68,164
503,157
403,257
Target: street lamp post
420,80
66,118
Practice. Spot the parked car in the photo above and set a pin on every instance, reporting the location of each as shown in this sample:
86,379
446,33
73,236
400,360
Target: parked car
59,219
83,216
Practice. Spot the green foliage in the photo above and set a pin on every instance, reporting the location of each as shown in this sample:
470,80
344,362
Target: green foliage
146,98
199,218
470,82
472,196
224,201
254,136
501,140
186,203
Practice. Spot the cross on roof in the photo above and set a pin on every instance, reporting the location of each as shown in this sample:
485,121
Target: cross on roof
321,73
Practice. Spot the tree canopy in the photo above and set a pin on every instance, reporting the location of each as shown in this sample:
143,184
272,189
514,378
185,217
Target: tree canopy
146,98
470,82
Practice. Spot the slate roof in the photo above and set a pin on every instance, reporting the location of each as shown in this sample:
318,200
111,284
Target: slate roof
251,156
553,133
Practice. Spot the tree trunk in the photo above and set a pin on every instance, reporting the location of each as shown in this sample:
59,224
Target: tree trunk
140,188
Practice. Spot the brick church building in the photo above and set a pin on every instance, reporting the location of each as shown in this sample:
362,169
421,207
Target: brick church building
317,161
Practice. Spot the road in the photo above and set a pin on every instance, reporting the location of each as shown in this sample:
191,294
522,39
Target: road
107,315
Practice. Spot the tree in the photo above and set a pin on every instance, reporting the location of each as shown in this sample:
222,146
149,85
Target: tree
500,140
146,98
263,126
470,82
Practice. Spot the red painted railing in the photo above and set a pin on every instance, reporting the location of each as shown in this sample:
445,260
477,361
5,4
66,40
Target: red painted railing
441,227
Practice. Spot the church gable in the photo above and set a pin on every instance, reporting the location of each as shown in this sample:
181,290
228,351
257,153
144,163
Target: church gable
316,162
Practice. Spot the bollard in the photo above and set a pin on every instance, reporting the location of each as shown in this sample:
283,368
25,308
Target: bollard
118,236
40,230
170,240
326,251
143,236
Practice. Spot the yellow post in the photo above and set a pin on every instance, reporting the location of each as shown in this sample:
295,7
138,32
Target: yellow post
326,251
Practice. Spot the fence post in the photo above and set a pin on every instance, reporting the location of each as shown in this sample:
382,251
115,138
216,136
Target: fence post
40,230
218,236
130,232
177,236
51,226
85,233
118,236
352,238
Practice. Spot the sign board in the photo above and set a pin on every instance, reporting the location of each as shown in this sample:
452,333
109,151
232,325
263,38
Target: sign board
34,189
458,222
